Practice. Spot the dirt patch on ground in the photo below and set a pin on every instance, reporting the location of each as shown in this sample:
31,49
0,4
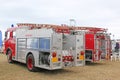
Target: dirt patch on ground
104,70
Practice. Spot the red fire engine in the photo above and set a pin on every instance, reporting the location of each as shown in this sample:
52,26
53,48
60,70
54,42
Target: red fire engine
44,46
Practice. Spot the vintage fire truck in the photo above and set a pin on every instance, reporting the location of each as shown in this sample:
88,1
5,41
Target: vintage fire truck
97,43
44,46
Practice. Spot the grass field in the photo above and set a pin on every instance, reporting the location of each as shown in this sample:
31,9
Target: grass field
104,70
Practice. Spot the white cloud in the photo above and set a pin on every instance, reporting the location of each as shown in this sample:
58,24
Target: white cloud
101,13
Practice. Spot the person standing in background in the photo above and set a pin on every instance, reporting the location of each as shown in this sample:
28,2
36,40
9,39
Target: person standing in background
117,47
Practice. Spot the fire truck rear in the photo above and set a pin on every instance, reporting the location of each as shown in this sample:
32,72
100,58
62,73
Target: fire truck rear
75,44
97,42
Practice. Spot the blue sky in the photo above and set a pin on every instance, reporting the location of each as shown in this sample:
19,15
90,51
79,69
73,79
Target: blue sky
98,13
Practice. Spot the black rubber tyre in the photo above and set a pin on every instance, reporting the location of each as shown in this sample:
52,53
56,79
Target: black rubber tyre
30,63
9,56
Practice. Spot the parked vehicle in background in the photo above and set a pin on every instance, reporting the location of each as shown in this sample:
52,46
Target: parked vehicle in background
97,43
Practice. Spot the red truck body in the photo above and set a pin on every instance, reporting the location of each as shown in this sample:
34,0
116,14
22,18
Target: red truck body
9,42
97,46
90,47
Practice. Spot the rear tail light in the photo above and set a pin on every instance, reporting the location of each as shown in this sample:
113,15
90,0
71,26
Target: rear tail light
54,54
69,58
81,55
82,52
64,58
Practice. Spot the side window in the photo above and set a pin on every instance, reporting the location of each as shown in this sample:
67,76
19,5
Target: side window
14,34
33,43
8,35
44,43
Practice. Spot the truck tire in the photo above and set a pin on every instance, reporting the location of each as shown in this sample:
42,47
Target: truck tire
30,63
9,56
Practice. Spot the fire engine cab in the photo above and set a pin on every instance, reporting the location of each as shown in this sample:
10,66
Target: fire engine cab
43,46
